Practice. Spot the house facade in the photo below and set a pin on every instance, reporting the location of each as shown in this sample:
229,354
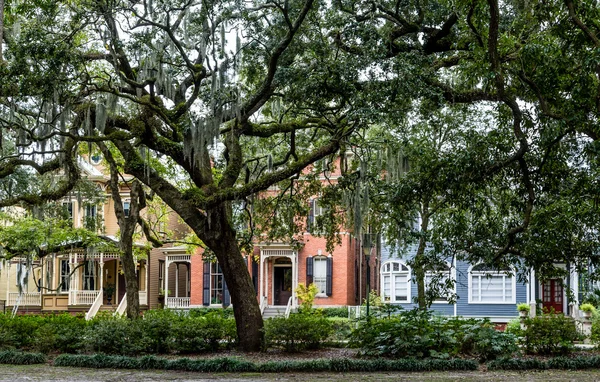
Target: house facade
481,291
85,280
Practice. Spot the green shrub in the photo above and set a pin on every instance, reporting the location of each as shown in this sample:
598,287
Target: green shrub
63,333
157,326
341,312
341,329
299,331
200,312
19,332
514,327
549,334
12,357
203,333
568,363
234,365
117,336
419,334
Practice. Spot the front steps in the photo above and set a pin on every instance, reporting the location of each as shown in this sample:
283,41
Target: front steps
274,311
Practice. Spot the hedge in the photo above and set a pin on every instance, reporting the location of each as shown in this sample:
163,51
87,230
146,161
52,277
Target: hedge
564,363
13,357
228,364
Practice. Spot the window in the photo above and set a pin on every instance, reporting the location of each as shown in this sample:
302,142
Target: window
439,279
395,282
68,209
89,275
90,216
126,208
216,284
320,275
96,158
64,275
491,286
161,276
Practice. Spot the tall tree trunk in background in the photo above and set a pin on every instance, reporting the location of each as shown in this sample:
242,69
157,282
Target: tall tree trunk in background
127,225
1,29
420,257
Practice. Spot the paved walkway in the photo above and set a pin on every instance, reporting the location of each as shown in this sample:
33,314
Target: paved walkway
48,373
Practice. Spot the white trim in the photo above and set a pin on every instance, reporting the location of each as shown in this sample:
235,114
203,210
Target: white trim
513,297
452,277
391,273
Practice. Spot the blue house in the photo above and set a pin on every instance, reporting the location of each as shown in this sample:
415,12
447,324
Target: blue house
480,290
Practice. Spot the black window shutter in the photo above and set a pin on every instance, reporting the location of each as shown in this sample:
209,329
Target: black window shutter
206,284
226,295
255,274
328,288
309,270
311,217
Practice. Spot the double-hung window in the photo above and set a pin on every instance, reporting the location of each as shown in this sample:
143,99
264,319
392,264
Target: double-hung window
320,275
491,286
438,282
395,282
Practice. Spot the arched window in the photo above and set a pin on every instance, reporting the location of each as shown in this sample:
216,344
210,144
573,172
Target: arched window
440,280
395,282
488,285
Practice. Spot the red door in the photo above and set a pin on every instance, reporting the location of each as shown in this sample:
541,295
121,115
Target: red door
552,295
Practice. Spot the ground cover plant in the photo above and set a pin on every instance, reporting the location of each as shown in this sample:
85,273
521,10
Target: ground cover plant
420,334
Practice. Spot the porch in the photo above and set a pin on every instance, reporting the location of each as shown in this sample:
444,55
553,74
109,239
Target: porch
177,279
278,275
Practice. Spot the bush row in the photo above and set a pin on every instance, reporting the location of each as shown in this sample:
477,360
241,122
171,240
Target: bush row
159,331
577,363
236,365
11,357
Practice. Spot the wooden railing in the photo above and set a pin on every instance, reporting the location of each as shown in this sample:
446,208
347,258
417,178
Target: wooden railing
95,306
83,297
263,304
177,302
122,306
24,299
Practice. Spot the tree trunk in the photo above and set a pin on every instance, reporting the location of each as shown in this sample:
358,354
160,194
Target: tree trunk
420,258
131,280
220,238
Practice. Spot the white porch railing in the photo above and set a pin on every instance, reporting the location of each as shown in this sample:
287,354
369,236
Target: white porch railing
95,306
26,299
83,297
177,302
143,297
122,306
288,309
263,304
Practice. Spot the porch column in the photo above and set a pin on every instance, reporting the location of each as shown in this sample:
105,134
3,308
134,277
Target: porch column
176,279
101,276
166,290
69,289
7,280
575,288
294,279
261,275
146,274
532,302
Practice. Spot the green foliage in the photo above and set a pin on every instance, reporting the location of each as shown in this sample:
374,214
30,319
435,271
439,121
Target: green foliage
199,312
523,307
298,332
514,327
208,332
588,308
12,357
234,365
417,333
549,334
306,295
567,363
341,312
63,333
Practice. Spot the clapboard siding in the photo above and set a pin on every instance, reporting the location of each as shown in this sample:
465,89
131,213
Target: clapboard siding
495,311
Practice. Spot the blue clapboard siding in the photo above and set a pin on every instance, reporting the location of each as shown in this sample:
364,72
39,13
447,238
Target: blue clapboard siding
497,312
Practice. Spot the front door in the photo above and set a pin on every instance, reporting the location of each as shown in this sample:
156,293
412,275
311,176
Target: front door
552,295
282,284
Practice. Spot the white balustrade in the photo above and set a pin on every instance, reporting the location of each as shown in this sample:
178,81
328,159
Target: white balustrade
176,258
177,302
25,299
83,297
143,297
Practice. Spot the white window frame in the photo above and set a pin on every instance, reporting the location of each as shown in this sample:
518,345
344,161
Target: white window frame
483,275
449,272
126,208
319,280
391,274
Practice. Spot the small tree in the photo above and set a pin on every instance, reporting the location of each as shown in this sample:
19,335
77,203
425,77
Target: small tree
306,294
